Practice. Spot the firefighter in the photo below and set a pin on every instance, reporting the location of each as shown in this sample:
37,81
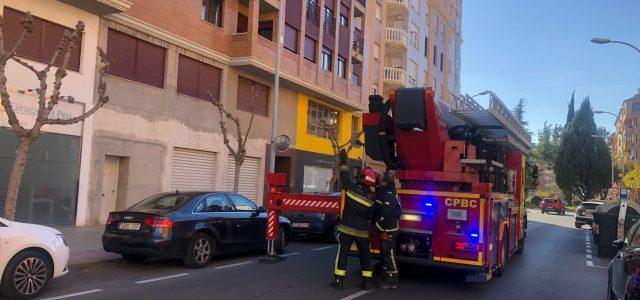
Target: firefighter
356,217
387,223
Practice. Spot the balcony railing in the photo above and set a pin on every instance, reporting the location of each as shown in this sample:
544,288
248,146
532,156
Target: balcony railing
329,22
397,36
398,4
358,41
313,12
394,76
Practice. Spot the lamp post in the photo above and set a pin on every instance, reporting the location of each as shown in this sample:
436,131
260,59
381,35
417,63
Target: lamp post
608,41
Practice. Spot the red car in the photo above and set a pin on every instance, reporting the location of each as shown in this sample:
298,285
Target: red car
554,205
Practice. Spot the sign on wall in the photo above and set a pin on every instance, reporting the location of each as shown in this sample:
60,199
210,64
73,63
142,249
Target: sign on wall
25,107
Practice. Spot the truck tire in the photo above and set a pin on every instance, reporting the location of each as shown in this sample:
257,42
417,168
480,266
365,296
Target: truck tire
504,254
520,246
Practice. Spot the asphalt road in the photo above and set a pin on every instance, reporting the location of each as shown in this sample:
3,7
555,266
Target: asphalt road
554,265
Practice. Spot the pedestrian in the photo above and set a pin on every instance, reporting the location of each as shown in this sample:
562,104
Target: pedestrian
387,223
355,219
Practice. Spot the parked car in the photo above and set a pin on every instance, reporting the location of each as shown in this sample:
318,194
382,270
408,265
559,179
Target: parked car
314,224
551,204
584,213
31,256
193,226
624,269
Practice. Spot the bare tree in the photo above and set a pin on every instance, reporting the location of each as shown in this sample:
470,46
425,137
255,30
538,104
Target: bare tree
239,152
354,141
27,136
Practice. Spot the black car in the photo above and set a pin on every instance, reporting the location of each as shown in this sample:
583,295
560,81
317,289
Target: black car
193,226
624,269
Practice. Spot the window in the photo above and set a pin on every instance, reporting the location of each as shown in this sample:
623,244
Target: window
247,89
313,12
413,36
635,107
198,79
310,49
412,72
329,22
41,43
344,21
214,203
316,180
441,61
243,23
378,11
317,115
376,52
135,59
290,38
212,12
426,46
355,121
265,29
162,202
415,4
242,203
435,55
374,91
326,59
342,66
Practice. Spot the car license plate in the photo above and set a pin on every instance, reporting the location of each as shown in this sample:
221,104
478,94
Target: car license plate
300,225
457,214
128,226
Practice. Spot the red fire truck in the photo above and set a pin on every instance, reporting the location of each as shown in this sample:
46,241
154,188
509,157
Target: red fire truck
461,175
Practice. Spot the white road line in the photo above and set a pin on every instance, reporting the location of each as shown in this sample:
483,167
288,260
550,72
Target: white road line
161,278
601,267
356,295
74,294
233,265
588,251
322,248
290,254
589,263
589,256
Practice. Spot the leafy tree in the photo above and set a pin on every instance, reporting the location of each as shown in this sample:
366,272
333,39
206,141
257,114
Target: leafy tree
518,112
546,149
583,162
604,132
632,180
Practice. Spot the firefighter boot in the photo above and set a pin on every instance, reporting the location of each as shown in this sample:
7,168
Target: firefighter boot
386,284
366,284
337,282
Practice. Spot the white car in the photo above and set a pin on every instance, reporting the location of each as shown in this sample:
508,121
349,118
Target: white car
30,256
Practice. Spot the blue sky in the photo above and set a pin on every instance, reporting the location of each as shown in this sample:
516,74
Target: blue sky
541,51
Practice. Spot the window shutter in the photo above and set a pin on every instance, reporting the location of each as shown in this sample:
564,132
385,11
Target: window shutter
262,101
187,76
208,81
12,29
150,64
121,49
245,88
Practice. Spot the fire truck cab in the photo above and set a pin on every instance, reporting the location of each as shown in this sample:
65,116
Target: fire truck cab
460,175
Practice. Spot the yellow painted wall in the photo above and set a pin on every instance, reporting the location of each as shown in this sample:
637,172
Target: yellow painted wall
316,144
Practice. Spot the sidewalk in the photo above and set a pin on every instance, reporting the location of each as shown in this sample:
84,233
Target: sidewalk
86,246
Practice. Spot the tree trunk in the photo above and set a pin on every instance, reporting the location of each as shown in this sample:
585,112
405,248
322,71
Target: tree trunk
236,177
11,201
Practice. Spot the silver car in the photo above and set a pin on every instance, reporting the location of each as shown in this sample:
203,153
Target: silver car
584,213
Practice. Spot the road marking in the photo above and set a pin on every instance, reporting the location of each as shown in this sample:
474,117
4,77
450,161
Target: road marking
161,278
589,256
290,254
589,251
74,294
233,265
356,295
601,267
322,248
589,263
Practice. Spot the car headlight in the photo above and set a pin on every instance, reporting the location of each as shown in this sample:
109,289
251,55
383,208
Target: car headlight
61,238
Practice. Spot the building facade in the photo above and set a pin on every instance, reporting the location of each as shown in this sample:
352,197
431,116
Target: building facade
422,46
625,140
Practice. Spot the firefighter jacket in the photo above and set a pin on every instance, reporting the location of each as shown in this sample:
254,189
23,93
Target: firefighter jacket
357,214
388,209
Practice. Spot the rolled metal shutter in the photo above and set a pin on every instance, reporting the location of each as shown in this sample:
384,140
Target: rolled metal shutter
192,170
249,173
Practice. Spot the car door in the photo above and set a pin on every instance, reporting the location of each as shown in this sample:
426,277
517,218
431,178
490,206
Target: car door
620,264
217,211
254,222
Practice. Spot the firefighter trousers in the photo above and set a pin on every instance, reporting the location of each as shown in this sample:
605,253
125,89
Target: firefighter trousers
388,253
362,243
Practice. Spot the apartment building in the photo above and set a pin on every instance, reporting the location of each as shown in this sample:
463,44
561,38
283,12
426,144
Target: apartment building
56,178
625,140
422,46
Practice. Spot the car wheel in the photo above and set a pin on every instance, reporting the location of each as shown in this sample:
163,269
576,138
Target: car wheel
132,258
281,243
332,236
563,212
504,256
542,211
200,251
26,275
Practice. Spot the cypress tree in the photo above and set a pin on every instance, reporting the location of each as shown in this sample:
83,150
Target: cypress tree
583,163
571,110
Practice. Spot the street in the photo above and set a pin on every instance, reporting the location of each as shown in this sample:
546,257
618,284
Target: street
554,265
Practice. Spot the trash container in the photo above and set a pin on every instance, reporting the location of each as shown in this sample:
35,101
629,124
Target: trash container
605,229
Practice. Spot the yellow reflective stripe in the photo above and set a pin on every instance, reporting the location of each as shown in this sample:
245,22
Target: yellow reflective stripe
353,232
359,199
387,230
393,261
344,168
335,267
340,272
367,273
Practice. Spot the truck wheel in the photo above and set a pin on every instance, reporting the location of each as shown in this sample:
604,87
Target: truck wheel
520,247
504,254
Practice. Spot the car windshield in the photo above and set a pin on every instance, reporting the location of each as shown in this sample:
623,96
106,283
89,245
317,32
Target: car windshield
162,202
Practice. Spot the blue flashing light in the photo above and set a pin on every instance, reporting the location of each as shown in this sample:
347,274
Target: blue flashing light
428,204
475,235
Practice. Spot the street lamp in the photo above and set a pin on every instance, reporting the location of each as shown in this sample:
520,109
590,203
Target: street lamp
482,93
607,41
604,112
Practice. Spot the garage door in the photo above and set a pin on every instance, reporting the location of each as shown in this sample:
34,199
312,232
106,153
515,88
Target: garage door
192,170
249,173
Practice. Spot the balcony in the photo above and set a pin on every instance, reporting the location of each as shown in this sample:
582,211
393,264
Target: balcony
394,77
357,45
397,5
397,38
